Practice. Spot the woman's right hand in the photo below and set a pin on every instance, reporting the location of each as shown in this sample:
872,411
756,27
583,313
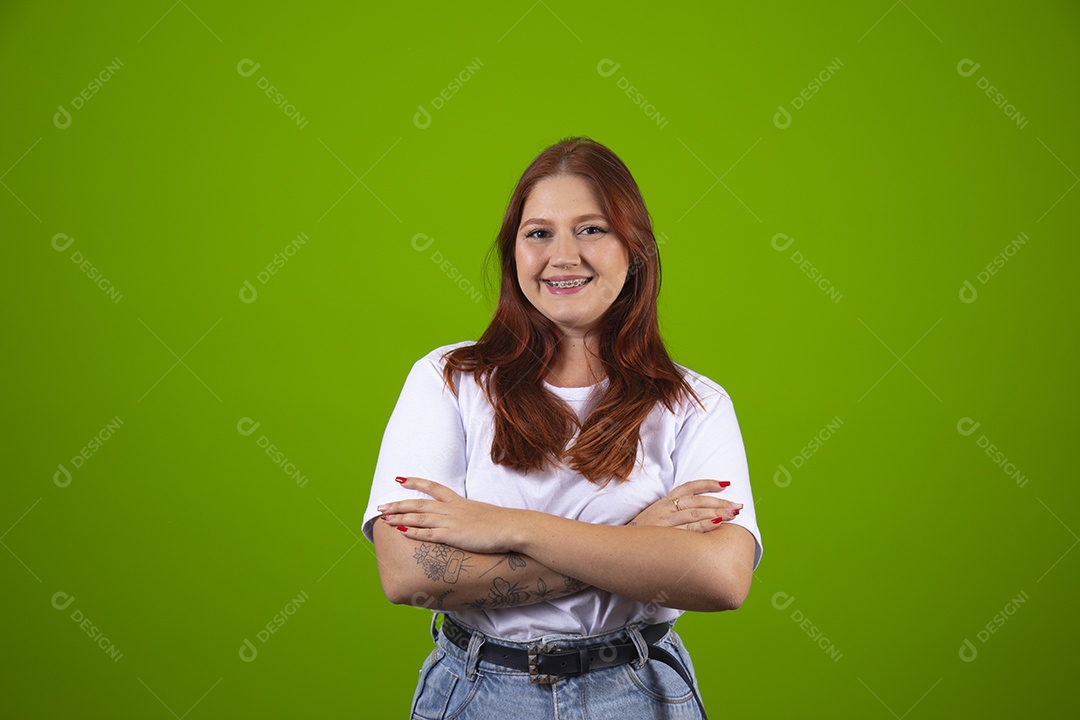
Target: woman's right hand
686,508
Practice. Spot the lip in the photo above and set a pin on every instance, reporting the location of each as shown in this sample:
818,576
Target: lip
566,290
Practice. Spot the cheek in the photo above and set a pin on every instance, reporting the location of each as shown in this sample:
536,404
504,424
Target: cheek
524,280
526,266
621,261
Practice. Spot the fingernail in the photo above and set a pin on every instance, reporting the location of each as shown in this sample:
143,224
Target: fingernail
724,483
400,479
402,528
381,508
717,521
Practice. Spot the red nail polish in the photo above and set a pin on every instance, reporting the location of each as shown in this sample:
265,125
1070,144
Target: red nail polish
400,479
402,528
717,521
724,483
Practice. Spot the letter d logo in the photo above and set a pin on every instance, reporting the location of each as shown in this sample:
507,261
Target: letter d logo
782,119
61,600
968,293
782,477
607,67
62,477
62,118
608,652
422,599
968,651
966,426
422,238
247,67
422,118
248,293
246,426
967,68
62,237
783,238
248,652
782,600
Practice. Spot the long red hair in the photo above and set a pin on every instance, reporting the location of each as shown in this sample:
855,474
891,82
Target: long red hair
533,427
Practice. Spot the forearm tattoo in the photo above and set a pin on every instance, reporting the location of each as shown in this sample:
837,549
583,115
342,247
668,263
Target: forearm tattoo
445,563
542,591
441,562
514,559
504,593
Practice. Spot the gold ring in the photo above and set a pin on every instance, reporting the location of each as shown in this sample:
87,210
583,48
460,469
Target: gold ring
676,501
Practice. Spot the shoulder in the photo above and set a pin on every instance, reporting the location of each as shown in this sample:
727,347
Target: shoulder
427,378
431,368
715,413
437,357
708,391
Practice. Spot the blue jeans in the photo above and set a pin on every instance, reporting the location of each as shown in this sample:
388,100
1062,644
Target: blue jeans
456,684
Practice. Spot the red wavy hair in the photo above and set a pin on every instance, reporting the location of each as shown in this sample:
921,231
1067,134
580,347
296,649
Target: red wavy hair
533,427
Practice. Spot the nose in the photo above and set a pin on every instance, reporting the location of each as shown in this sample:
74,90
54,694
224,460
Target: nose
564,249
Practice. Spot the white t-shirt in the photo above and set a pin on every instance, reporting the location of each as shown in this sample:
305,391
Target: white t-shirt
433,435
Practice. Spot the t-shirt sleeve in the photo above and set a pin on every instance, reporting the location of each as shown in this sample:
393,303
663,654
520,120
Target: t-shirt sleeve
709,445
424,438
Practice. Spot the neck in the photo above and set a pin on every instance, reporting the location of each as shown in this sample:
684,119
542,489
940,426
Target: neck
578,364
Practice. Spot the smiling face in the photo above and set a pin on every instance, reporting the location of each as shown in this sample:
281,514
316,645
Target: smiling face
570,264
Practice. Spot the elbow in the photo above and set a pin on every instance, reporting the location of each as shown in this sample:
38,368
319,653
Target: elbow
730,600
717,601
728,591
716,595
400,593
393,593
388,557
726,579
397,593
725,599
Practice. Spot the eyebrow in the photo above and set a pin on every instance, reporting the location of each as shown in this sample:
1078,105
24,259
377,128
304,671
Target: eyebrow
579,218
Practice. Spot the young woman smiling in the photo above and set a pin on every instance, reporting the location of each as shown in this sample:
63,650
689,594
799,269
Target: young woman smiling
561,490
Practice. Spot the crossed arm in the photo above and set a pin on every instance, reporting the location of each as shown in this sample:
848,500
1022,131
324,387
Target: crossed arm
452,553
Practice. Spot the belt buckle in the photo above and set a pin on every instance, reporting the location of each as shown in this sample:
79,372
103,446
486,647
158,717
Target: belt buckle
535,676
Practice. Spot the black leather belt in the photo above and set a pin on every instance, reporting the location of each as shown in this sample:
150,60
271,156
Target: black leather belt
546,663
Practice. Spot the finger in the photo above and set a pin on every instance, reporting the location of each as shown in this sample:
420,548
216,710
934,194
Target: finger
696,487
704,526
689,515
726,512
424,534
405,506
428,487
412,520
700,507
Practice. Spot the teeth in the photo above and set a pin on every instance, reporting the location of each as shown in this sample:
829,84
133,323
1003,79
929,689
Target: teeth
567,283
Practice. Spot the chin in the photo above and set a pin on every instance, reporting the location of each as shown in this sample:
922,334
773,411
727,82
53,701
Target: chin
575,323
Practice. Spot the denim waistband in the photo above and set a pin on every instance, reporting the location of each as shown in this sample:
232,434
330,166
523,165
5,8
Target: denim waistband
566,640
473,662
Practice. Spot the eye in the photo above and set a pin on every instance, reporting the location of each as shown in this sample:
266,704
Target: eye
599,230
533,235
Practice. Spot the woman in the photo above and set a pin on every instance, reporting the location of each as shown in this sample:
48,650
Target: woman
561,490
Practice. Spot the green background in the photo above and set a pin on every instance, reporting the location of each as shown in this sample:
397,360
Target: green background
897,539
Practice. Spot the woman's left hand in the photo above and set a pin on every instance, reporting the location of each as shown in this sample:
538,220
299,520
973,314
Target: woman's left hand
688,508
450,519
